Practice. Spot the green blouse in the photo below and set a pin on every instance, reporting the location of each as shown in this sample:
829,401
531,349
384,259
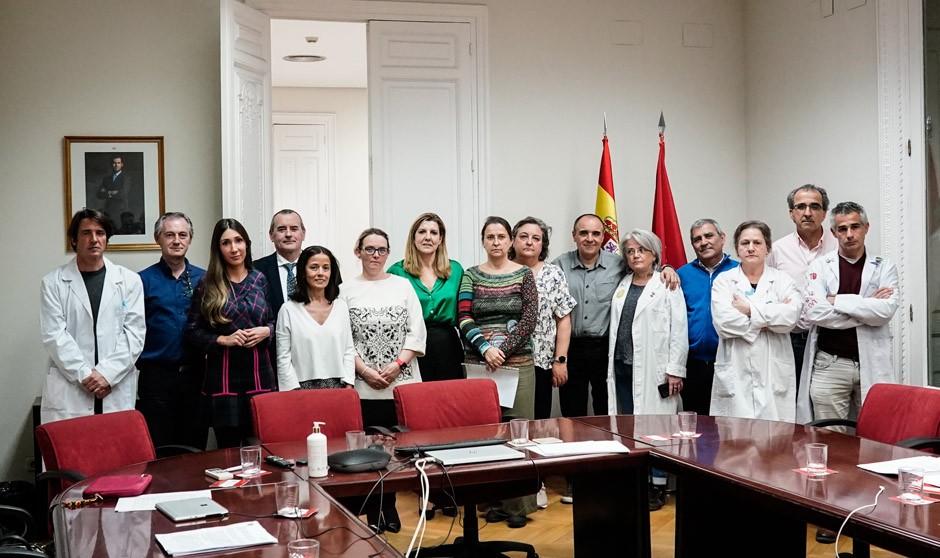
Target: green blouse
439,305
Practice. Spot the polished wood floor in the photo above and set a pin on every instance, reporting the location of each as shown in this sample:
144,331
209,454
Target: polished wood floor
549,530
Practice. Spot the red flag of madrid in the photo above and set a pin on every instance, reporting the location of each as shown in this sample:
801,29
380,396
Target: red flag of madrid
606,206
665,221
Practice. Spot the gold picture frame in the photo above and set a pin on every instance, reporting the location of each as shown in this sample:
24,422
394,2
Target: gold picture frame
121,176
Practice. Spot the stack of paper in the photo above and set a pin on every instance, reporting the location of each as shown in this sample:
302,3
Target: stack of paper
239,535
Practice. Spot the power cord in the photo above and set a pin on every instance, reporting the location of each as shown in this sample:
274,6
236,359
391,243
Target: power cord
420,464
851,513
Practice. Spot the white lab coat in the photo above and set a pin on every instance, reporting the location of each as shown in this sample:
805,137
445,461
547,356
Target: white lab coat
66,326
660,345
869,316
755,375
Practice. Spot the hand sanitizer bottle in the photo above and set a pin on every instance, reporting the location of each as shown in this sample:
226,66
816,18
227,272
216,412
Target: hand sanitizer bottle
316,453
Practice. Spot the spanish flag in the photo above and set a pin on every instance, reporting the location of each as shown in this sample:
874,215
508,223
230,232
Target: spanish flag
606,206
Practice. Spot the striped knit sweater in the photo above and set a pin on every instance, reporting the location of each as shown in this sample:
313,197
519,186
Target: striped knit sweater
498,311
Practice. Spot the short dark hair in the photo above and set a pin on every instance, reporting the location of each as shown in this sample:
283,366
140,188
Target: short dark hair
845,208
811,188
759,225
93,214
546,233
286,212
495,220
331,292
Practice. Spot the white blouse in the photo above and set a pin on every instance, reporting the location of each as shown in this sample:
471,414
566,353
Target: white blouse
386,318
307,350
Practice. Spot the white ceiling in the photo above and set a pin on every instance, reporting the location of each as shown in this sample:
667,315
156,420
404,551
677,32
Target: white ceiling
343,45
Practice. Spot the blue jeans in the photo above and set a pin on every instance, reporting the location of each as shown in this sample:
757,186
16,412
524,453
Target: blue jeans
623,380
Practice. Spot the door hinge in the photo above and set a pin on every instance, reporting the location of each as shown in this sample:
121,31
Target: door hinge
470,49
912,312
908,148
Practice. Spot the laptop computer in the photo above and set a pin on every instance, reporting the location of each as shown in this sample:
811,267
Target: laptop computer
479,454
192,508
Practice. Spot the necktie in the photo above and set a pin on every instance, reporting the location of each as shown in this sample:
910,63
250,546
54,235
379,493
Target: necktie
291,278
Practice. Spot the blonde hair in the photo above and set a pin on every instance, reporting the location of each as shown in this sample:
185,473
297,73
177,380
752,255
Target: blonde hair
412,263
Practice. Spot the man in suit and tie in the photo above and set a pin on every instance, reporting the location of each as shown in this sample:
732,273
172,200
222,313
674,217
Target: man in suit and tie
287,232
115,191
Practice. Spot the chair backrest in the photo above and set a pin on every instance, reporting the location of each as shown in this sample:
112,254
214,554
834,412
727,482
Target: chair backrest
895,412
446,404
95,443
287,416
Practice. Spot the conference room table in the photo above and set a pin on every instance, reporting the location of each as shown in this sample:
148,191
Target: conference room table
600,480
741,472
98,531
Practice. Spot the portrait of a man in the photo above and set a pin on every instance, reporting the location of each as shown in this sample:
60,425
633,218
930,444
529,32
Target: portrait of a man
114,186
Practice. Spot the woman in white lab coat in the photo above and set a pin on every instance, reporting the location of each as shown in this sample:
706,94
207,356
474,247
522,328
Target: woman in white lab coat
653,351
754,307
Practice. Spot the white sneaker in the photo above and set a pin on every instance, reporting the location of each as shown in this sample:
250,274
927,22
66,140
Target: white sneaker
567,497
541,499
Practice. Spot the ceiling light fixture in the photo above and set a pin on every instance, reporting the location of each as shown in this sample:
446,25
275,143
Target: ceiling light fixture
304,58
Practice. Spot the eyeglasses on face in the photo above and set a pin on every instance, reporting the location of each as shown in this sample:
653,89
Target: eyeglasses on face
802,206
372,250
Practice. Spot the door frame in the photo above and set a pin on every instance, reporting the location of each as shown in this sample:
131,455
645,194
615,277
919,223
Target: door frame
363,11
328,120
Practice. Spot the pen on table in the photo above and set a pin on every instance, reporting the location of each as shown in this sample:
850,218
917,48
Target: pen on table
233,469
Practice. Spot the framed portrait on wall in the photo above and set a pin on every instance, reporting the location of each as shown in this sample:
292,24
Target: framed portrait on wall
121,176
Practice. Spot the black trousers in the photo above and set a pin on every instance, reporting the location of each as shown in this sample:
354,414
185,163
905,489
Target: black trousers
697,387
543,393
587,367
443,357
169,399
798,342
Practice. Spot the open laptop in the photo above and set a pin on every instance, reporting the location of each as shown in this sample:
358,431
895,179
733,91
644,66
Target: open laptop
192,508
479,454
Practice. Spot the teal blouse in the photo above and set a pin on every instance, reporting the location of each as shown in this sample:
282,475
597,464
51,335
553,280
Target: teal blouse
439,305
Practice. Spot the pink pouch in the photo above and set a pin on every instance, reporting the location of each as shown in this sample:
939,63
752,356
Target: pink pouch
118,486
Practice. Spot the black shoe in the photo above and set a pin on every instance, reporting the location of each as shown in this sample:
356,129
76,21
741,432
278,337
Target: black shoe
657,499
516,521
449,511
390,520
496,515
375,524
825,536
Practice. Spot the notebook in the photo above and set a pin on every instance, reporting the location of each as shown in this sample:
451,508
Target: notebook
479,454
192,508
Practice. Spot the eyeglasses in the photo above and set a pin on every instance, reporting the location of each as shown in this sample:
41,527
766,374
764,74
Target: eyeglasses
372,250
188,287
803,206
634,251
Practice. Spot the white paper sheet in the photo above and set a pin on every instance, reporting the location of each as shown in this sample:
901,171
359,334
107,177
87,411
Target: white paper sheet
147,502
507,379
927,463
577,448
238,535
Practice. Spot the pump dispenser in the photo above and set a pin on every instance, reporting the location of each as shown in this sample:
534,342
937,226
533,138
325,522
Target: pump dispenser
316,453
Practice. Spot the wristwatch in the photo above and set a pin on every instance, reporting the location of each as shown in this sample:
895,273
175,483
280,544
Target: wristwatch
561,359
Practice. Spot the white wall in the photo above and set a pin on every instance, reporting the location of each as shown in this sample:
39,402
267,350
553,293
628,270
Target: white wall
96,67
553,74
812,107
351,107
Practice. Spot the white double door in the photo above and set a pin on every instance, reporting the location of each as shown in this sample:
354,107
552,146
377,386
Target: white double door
422,102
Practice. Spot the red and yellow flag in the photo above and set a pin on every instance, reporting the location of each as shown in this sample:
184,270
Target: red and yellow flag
606,206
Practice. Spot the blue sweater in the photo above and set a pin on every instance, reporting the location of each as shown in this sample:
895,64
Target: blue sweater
697,288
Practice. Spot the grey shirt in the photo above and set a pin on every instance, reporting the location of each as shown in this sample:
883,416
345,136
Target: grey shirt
623,349
592,288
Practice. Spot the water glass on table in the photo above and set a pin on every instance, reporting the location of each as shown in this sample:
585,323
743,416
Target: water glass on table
688,422
303,548
355,439
519,431
817,458
286,494
910,483
251,460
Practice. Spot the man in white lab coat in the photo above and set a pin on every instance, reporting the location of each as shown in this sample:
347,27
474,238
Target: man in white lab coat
850,296
92,324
